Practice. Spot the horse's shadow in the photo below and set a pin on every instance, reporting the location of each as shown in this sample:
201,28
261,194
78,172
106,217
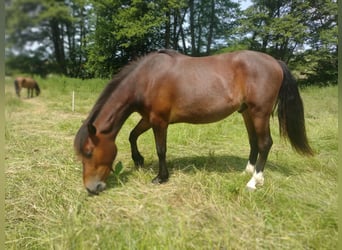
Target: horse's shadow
221,164
209,163
192,164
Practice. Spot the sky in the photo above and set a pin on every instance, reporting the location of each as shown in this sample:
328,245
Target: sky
245,3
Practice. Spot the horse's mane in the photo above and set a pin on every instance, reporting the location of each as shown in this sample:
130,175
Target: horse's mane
108,90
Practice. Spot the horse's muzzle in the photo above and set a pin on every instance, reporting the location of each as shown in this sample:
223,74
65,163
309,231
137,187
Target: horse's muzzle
96,188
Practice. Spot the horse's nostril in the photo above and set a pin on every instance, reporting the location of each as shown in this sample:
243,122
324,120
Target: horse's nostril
96,187
100,187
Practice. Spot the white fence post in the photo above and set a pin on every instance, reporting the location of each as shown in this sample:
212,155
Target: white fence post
73,101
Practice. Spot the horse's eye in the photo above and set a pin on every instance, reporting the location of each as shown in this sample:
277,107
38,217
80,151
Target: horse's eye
88,154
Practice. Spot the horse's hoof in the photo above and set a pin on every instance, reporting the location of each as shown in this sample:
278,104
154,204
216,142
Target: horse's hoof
139,162
250,188
159,180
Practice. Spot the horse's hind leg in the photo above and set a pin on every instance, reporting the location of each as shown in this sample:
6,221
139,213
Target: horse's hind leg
140,128
253,142
160,135
264,143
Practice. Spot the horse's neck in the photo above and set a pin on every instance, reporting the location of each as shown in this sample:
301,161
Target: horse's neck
114,113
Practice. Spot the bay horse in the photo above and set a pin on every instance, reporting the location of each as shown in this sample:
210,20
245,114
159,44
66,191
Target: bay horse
26,82
166,87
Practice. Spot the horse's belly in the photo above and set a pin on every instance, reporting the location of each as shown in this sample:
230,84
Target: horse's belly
203,111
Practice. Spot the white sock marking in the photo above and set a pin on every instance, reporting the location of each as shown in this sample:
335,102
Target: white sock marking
257,179
250,168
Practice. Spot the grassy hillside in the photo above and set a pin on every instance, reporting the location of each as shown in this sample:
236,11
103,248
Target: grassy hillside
203,206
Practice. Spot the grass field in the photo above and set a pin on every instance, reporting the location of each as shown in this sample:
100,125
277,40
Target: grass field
203,206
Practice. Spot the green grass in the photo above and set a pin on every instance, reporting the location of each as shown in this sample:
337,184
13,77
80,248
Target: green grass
203,206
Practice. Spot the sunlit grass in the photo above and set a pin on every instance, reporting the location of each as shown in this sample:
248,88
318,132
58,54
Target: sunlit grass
203,206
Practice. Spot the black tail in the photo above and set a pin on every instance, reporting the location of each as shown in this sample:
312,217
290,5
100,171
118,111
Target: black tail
36,87
16,86
291,113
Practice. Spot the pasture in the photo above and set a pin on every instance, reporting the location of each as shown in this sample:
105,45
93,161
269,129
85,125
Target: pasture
205,204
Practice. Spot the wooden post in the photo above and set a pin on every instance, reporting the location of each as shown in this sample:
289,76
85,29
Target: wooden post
73,101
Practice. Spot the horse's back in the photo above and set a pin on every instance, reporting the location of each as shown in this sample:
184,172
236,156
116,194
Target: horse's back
207,89
26,82
246,63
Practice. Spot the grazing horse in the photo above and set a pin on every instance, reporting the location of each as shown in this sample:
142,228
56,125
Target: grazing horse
167,87
26,82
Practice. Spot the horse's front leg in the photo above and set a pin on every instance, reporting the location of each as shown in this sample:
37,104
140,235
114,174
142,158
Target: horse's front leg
140,128
160,134
29,93
17,91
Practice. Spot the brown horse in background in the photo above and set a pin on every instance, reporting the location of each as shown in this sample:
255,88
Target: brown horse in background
26,82
166,87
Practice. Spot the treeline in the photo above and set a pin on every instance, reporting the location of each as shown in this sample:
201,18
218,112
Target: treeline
95,38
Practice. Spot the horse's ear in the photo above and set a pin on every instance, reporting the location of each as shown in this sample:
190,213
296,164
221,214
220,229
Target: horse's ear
92,133
91,129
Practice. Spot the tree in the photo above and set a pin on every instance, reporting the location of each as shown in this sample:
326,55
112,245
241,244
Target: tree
85,38
56,28
320,59
124,30
211,21
128,29
301,33
175,13
275,27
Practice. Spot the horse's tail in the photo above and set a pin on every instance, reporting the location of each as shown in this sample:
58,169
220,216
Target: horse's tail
291,113
16,86
36,87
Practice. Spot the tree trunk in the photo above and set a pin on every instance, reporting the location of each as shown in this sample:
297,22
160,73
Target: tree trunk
58,44
192,27
167,30
211,26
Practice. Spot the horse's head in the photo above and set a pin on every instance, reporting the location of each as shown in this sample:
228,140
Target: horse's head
97,152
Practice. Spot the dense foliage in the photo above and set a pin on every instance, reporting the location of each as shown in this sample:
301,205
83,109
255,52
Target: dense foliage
86,38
